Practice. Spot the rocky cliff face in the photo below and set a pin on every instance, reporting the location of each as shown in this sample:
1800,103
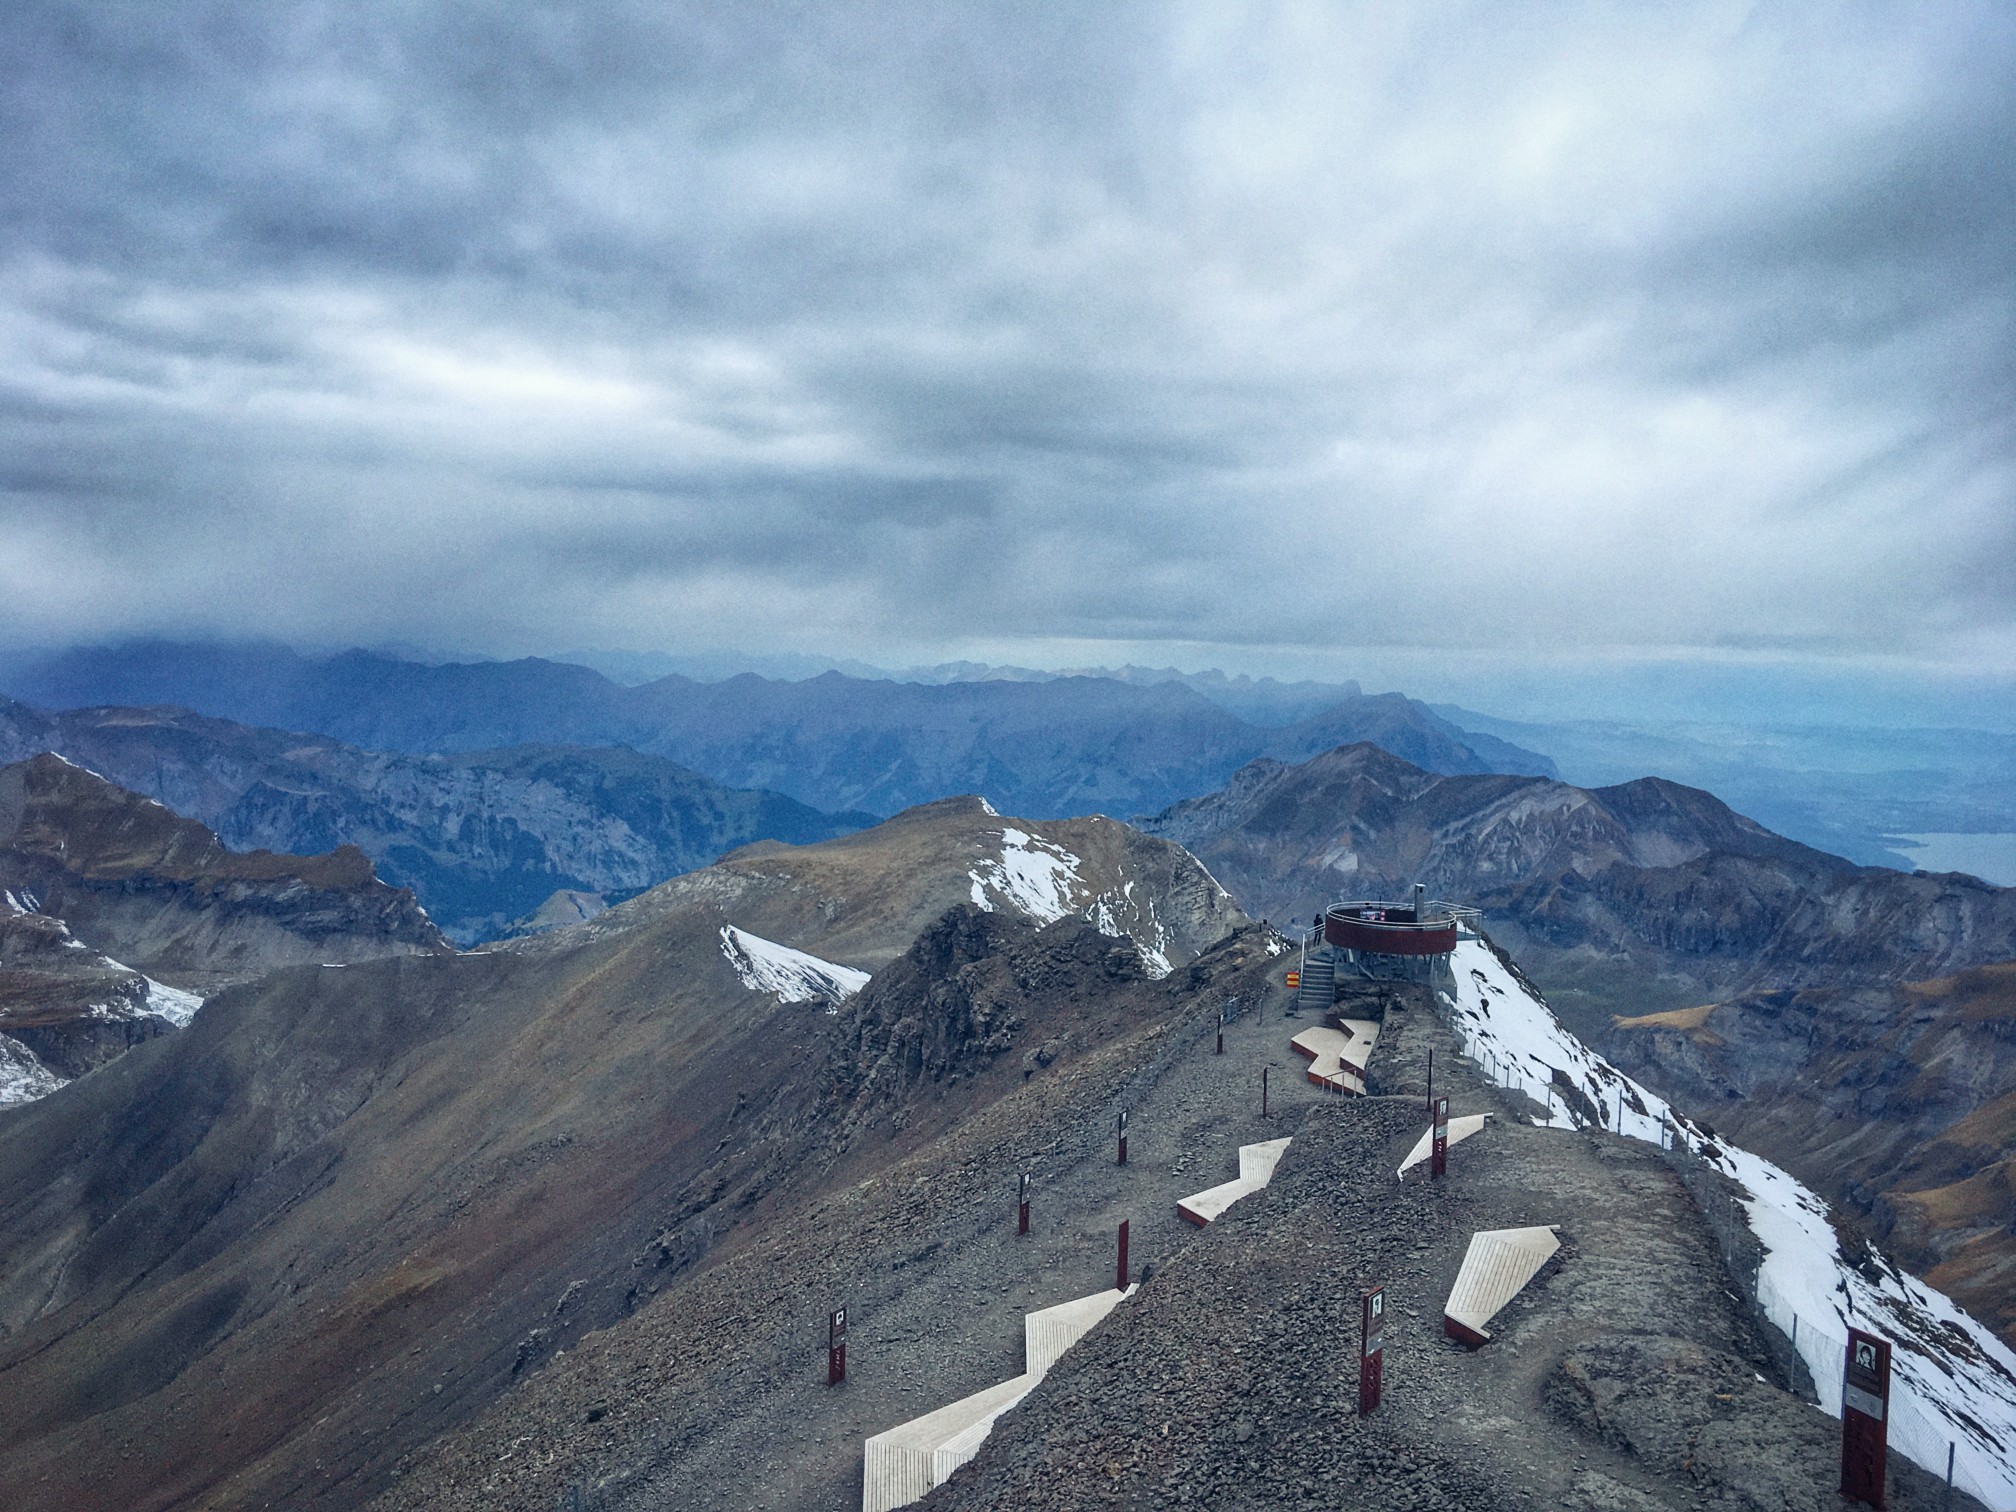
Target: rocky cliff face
1896,1100
65,1009
166,896
483,839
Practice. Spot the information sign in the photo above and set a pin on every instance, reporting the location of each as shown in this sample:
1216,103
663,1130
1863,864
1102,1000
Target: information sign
1865,1417
1371,1353
836,1346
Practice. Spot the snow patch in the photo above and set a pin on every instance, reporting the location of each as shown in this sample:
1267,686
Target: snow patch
23,1078
1041,879
1952,1381
172,1003
796,977
1032,875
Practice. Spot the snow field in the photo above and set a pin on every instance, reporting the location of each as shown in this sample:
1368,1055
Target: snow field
1953,1383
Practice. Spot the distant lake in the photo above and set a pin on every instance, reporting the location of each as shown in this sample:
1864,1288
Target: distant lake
1992,858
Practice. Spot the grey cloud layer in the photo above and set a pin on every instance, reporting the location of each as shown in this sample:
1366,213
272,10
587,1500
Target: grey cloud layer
897,327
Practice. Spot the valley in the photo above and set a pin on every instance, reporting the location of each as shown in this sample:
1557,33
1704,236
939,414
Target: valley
807,1066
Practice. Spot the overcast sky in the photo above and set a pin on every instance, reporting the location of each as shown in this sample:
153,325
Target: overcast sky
1294,338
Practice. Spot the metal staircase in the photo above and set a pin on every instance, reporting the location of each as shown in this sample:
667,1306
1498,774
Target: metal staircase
1319,982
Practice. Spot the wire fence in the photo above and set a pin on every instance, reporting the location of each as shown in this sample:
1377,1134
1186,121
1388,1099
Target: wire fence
1918,1429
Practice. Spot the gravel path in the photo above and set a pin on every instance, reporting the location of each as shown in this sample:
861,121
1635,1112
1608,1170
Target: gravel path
1627,1376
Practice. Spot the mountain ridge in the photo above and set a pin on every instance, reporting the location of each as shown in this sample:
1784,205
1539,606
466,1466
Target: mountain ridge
483,838
1061,746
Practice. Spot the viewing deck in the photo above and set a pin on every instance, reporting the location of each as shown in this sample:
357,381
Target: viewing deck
1394,928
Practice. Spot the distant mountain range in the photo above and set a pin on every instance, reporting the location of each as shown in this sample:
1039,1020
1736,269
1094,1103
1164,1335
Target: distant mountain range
483,838
1867,793
1049,748
1627,899
1260,700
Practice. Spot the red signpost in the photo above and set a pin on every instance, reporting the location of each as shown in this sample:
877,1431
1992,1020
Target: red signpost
836,1346
1123,1137
1022,1214
1438,1157
1121,1271
1371,1353
1865,1415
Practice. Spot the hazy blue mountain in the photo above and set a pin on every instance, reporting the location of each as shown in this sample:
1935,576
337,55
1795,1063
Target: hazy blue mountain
1865,792
482,838
1045,748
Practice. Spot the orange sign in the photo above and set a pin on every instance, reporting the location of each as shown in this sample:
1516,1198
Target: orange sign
1294,979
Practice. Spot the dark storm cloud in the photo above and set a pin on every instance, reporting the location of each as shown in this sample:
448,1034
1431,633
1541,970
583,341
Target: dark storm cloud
896,328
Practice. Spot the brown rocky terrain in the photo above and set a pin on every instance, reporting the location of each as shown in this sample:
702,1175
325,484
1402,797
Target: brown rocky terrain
262,1261
67,1007
1896,1100
164,895
116,916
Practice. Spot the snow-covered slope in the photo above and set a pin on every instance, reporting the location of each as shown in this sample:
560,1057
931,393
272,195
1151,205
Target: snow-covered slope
1041,878
796,977
1953,1382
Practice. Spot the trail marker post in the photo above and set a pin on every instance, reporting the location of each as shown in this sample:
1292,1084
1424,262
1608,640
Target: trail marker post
1865,1414
1123,1137
836,1346
1022,1211
1371,1352
1263,1091
1431,1083
1221,1031
1120,1271
1438,1158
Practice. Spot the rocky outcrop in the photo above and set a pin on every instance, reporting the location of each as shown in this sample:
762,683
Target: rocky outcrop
66,1009
956,1006
165,896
